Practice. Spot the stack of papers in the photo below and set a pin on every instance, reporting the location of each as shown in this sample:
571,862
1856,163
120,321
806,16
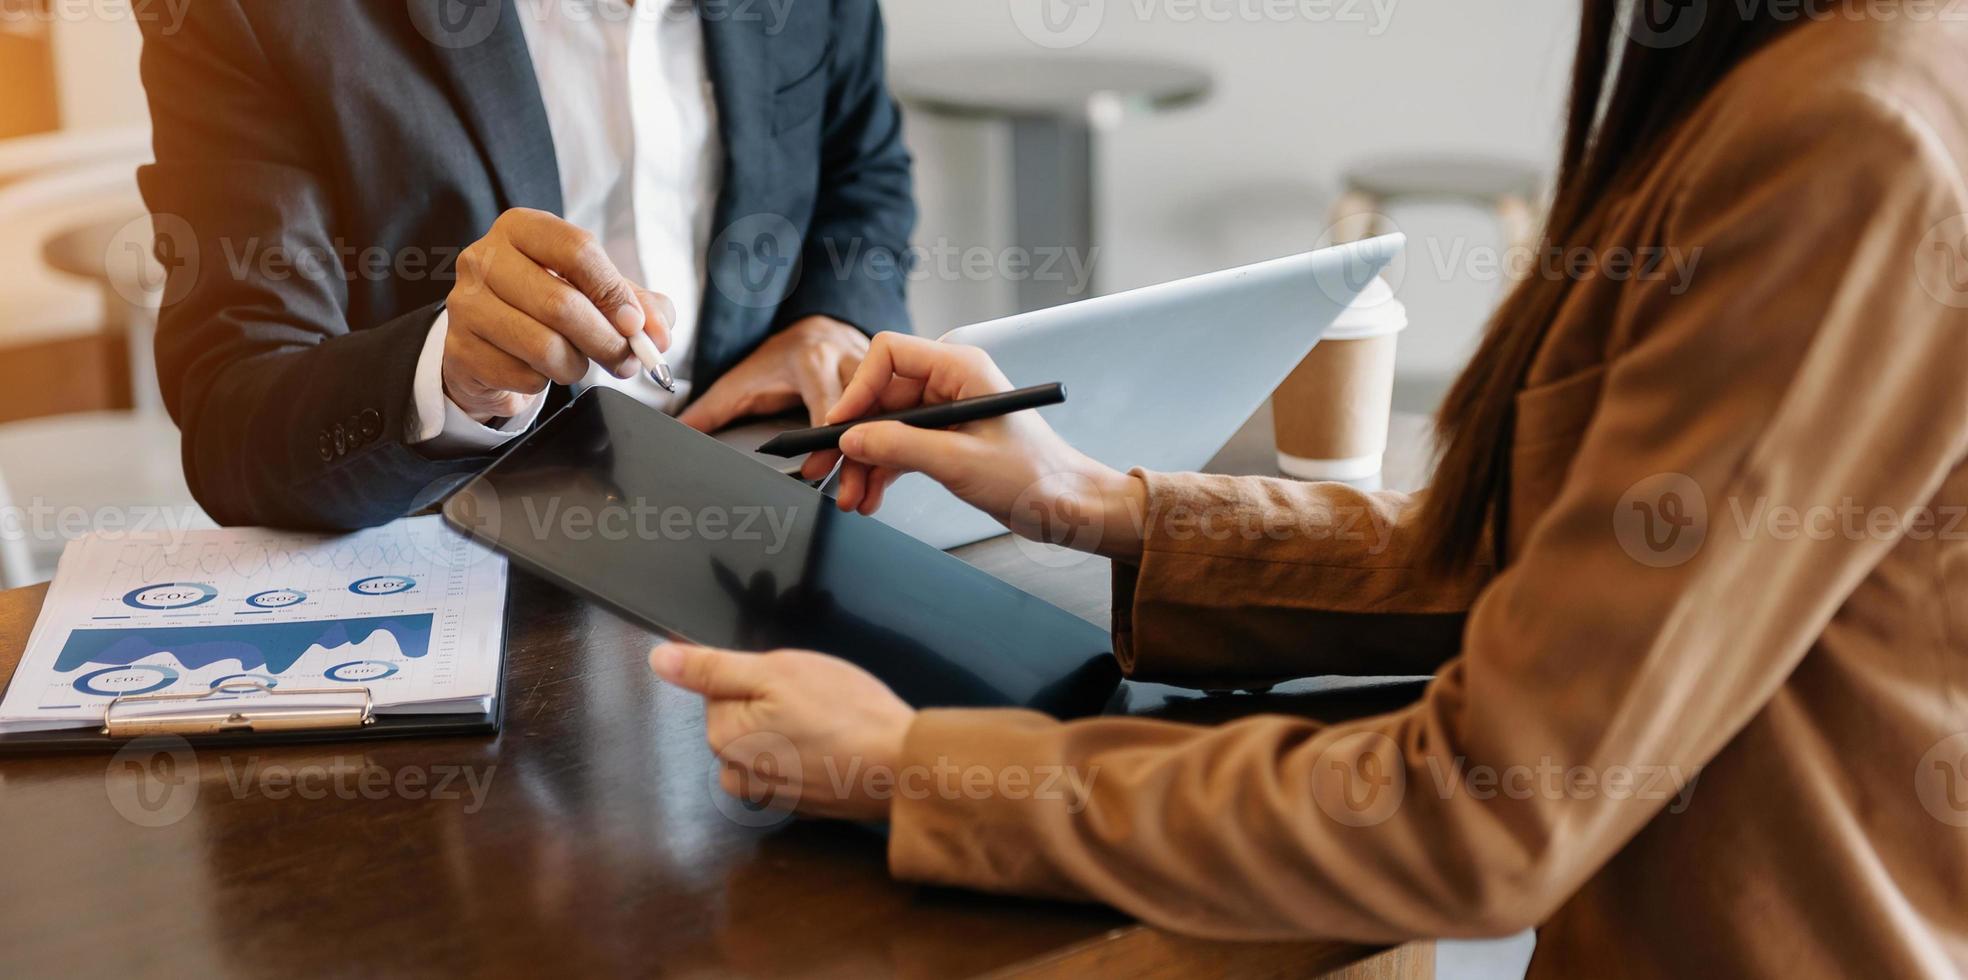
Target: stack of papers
412,614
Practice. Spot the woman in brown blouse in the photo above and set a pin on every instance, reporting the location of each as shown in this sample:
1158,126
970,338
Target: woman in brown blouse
1701,707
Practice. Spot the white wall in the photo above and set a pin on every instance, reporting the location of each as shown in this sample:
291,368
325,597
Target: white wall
1251,173
96,67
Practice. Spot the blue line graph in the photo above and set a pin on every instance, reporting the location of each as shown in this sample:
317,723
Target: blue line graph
272,647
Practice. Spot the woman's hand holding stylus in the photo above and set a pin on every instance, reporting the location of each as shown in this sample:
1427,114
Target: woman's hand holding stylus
1015,468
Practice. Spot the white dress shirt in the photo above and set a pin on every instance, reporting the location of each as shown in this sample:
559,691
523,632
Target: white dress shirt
634,123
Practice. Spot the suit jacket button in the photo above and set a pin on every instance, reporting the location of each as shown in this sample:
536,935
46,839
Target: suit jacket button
341,440
369,425
327,446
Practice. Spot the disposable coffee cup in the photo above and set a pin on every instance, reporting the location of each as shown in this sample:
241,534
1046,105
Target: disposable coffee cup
1332,412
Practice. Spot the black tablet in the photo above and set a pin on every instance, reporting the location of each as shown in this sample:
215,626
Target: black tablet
675,530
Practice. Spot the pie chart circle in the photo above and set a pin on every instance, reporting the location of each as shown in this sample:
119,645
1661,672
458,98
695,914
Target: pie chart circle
164,676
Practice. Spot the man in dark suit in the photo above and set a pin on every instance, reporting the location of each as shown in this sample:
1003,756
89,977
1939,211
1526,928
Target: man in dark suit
399,231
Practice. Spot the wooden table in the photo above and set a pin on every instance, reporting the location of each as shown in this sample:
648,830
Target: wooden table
587,837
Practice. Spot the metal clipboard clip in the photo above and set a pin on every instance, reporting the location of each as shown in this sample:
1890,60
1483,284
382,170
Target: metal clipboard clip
202,716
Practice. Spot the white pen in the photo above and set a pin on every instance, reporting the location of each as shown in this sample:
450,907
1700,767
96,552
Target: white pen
653,362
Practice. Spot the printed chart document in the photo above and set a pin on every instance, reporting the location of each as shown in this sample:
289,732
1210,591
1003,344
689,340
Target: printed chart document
413,612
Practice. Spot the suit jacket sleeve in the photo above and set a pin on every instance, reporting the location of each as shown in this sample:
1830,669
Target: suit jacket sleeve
855,260
1762,383
290,418
1335,568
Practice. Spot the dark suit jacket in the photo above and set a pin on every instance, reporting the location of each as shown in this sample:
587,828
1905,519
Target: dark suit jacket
321,163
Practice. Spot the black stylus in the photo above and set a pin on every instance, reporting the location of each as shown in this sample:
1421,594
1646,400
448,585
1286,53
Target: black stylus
945,416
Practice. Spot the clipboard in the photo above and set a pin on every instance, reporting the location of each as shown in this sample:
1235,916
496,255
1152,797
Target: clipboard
209,720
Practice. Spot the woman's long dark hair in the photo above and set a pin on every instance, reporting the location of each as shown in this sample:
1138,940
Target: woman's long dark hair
1654,85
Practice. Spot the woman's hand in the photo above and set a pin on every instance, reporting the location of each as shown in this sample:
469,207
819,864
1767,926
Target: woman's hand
1014,468
815,733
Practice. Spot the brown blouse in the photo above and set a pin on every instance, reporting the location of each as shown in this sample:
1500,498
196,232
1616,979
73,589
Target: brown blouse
1710,719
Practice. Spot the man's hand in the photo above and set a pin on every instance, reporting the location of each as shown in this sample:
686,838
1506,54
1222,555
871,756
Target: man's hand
780,723
807,363
536,300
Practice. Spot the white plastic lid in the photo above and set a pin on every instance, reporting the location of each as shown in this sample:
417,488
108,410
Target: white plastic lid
1375,313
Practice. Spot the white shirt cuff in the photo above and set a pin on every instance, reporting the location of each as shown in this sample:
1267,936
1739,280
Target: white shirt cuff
438,427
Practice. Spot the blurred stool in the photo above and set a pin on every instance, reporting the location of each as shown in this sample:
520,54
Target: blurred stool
1057,107
71,150
114,470
1508,189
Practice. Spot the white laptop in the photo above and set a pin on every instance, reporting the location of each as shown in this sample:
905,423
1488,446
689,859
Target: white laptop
1159,377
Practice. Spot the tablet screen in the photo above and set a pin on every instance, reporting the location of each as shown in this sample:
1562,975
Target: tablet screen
668,526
